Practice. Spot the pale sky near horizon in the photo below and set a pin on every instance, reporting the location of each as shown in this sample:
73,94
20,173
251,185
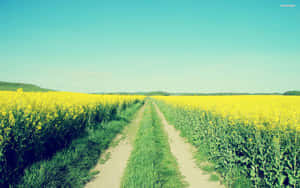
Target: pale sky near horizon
169,45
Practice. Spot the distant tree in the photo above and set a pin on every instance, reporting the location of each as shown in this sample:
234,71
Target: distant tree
292,93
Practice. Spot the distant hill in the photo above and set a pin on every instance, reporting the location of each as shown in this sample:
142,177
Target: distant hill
151,93
162,93
10,86
292,93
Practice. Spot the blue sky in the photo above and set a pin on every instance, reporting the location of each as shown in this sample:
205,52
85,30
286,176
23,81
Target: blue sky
176,46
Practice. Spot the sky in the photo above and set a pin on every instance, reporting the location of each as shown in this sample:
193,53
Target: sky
151,45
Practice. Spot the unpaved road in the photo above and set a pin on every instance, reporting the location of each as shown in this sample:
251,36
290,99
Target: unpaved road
112,170
182,151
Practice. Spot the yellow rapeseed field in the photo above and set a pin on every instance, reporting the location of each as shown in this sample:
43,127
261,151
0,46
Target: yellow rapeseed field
34,125
38,109
249,135
264,111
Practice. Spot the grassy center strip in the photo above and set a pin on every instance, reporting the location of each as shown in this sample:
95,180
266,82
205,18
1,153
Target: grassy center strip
151,163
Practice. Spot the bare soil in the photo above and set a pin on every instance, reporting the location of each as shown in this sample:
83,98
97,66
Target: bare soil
183,152
113,168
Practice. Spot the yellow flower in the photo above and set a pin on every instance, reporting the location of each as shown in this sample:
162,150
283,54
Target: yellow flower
258,110
19,90
39,126
37,109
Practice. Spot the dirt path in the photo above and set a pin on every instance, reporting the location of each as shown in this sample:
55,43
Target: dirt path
183,153
112,170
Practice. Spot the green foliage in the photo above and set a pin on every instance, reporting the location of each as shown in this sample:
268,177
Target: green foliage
9,86
151,164
214,177
242,154
25,147
292,93
71,166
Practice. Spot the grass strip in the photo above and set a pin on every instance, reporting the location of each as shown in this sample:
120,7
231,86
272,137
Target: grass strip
151,163
71,166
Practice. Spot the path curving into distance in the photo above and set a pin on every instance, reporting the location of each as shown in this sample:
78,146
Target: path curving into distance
182,151
113,169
